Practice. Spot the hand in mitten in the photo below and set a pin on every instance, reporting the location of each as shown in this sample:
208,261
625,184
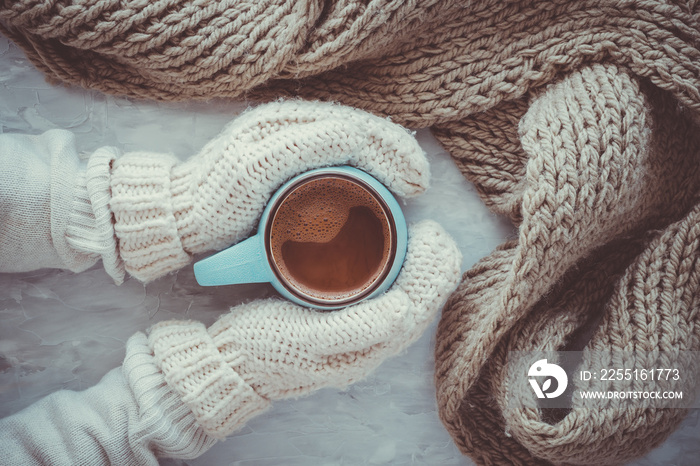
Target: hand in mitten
147,213
165,211
183,387
272,349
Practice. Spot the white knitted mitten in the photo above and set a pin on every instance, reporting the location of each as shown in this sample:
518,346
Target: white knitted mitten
165,211
273,349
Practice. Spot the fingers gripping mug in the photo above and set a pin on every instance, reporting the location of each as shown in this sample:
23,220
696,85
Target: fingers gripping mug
327,238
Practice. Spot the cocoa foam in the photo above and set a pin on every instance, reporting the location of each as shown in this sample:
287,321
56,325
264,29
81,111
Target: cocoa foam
316,212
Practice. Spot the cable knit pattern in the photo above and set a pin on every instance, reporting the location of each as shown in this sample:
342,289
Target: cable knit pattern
600,158
273,349
165,212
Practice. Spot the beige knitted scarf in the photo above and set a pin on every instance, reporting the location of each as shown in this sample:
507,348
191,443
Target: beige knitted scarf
578,120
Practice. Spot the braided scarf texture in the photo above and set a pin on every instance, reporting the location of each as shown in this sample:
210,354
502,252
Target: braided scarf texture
578,120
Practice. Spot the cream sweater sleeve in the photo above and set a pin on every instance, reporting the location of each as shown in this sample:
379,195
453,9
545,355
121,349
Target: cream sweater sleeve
54,209
131,417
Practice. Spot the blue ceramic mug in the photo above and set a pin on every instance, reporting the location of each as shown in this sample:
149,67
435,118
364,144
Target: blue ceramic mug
313,247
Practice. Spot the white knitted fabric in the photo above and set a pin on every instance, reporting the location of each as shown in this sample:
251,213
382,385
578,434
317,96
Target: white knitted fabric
53,209
186,386
90,228
183,387
273,349
146,213
130,418
165,211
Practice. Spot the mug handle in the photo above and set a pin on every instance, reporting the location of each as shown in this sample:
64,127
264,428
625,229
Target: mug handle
245,262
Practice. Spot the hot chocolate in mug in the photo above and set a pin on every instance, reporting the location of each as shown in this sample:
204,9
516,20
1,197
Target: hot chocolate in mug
327,238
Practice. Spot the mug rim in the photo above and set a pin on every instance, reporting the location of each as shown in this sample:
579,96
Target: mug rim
282,195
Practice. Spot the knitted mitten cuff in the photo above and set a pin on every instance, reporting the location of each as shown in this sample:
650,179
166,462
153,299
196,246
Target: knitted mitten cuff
142,205
90,228
165,424
219,398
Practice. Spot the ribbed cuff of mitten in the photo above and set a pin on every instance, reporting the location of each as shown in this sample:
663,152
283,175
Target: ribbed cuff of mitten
165,422
149,243
90,228
219,398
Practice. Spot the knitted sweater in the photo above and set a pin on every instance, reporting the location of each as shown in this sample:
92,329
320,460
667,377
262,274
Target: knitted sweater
131,417
597,165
